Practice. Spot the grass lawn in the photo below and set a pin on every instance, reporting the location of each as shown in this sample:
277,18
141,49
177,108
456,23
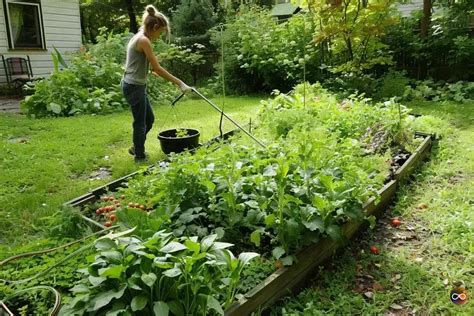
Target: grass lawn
420,261
46,162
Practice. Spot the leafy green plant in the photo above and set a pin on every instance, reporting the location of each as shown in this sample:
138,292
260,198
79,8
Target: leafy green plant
181,132
392,84
90,83
58,59
437,91
321,165
159,276
261,54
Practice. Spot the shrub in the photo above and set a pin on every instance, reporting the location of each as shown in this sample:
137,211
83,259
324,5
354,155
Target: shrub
351,83
460,91
262,55
91,83
392,84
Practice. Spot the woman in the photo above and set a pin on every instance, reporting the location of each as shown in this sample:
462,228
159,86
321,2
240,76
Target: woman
139,56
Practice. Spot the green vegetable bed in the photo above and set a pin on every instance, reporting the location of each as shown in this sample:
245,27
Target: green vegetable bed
324,159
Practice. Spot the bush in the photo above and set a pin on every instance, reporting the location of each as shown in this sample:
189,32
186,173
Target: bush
429,90
262,55
392,84
91,83
350,83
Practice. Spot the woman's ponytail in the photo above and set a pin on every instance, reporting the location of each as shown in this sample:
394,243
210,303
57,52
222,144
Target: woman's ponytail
150,10
154,19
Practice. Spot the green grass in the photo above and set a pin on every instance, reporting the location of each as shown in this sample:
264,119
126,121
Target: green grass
55,162
417,274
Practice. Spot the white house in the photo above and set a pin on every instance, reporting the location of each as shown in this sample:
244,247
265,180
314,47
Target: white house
408,7
33,27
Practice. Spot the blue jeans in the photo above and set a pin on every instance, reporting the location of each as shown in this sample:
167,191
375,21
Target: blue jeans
142,112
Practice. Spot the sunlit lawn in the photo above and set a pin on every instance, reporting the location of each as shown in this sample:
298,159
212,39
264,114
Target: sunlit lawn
46,162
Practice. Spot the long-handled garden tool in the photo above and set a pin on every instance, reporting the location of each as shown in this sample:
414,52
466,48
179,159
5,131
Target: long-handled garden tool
222,113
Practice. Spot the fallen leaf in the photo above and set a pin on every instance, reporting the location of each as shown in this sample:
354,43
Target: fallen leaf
446,282
396,278
396,306
377,287
419,259
422,206
369,294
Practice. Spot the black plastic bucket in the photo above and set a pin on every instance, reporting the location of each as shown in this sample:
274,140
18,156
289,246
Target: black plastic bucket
171,143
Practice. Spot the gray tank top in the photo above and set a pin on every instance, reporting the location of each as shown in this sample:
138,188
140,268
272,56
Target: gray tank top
136,65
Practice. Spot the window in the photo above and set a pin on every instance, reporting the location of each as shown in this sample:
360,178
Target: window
24,24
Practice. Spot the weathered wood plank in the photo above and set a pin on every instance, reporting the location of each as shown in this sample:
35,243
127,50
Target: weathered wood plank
408,166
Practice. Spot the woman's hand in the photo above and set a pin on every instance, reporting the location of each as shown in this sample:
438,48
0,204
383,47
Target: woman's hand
184,87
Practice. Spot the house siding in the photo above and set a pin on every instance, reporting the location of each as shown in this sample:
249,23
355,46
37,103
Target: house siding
408,8
62,29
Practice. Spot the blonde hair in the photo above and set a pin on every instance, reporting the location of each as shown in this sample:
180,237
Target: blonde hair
154,19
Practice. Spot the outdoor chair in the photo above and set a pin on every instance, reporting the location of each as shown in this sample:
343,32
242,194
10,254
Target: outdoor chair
18,71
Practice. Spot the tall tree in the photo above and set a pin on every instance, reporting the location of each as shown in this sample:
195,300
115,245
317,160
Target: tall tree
351,32
132,16
426,20
192,21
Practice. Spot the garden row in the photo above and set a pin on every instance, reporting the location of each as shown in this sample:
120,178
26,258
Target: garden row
324,160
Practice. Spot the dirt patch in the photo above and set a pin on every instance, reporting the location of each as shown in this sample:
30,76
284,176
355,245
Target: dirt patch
19,140
102,173
10,105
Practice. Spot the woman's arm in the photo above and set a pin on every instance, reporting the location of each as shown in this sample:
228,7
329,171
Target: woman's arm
144,45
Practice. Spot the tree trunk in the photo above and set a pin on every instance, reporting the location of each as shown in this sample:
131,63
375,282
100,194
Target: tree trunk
424,33
83,27
425,21
91,32
132,16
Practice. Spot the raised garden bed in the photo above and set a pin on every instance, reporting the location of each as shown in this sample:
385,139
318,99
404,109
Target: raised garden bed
290,279
96,193
293,201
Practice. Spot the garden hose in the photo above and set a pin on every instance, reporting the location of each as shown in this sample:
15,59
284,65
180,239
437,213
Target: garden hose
48,269
66,258
41,273
41,252
57,300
